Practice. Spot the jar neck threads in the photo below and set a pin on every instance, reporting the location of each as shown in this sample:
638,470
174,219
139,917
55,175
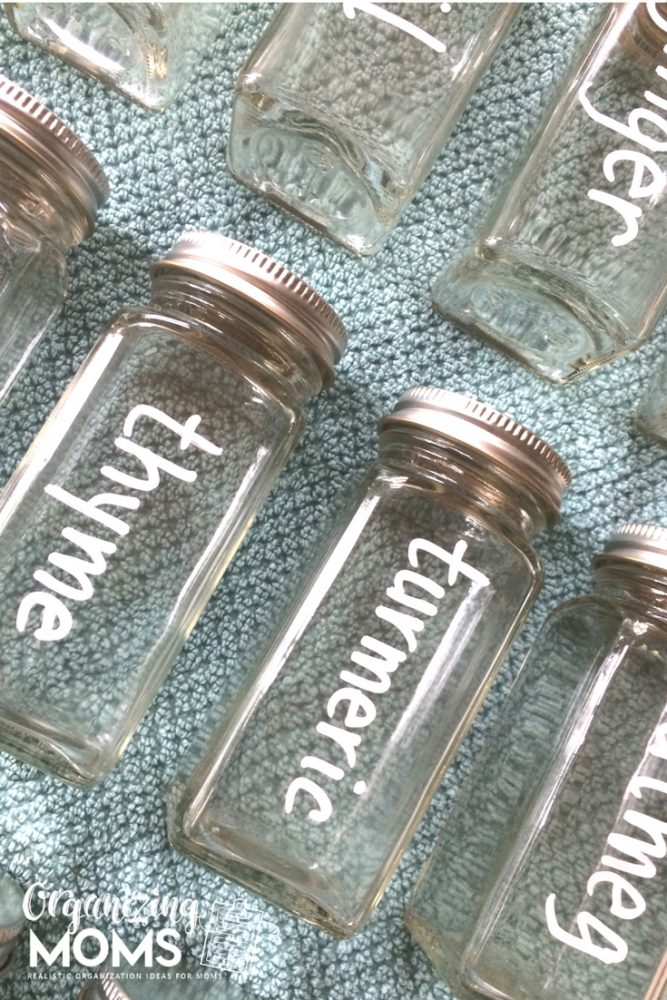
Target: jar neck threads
633,568
271,347
28,196
634,585
491,488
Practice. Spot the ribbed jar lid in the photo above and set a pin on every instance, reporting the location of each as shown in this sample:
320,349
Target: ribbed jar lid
271,287
638,543
58,150
463,420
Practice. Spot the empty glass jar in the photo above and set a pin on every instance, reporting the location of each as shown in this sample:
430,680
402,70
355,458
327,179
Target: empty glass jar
51,188
133,498
568,270
147,51
342,109
550,877
12,921
314,780
652,414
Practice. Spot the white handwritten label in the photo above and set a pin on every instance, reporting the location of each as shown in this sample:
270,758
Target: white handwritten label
633,857
350,8
55,617
648,179
408,615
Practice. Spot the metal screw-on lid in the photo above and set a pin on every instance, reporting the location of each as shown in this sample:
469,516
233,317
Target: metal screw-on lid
638,543
271,287
60,153
483,429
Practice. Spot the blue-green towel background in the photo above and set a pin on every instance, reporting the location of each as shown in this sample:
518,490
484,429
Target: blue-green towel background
168,172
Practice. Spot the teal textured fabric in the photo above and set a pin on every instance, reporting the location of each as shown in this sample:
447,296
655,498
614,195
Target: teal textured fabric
167,173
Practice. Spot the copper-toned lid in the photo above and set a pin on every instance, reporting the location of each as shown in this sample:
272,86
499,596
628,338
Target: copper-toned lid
271,286
483,429
57,149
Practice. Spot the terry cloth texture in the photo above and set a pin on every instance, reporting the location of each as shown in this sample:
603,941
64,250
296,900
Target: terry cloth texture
169,172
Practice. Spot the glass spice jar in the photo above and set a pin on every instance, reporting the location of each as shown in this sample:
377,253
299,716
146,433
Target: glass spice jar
146,51
12,921
550,879
132,500
342,109
51,188
652,413
567,272
314,780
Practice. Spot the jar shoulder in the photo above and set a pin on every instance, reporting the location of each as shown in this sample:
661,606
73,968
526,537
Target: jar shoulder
484,521
146,330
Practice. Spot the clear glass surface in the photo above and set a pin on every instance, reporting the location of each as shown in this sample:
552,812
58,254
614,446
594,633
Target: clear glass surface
313,781
567,272
116,528
652,414
144,50
342,109
32,291
549,878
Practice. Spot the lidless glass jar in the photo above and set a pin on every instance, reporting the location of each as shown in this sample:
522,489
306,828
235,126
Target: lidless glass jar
568,270
51,188
146,51
315,779
12,921
132,500
652,414
342,109
550,878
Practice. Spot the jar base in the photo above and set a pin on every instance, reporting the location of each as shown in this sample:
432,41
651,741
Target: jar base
49,749
538,317
298,163
445,957
111,51
225,853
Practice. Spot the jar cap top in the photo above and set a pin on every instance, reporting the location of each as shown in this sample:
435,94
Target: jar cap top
643,543
480,427
59,151
270,285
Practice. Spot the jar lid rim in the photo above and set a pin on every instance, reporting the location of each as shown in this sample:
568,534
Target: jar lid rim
638,542
269,284
55,145
465,420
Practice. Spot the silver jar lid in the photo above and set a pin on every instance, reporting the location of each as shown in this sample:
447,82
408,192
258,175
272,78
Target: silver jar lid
271,287
60,153
638,543
461,419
